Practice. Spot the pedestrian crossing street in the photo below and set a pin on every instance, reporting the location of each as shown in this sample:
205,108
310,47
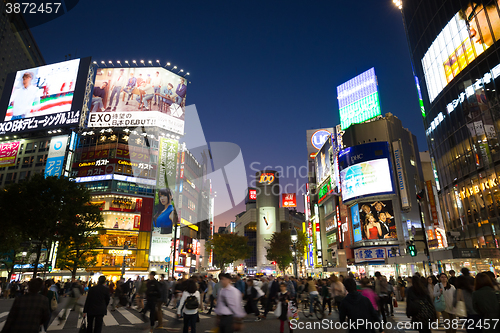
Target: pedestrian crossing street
400,317
119,317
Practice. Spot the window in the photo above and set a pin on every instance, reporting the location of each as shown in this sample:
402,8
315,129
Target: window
10,178
14,167
24,175
40,160
29,147
27,162
44,145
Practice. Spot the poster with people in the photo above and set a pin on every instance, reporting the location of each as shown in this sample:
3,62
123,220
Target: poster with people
134,96
377,220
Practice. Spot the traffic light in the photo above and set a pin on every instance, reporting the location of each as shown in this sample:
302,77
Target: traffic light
412,250
49,268
421,195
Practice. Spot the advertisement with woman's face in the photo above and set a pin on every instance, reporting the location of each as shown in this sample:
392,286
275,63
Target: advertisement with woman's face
377,220
164,212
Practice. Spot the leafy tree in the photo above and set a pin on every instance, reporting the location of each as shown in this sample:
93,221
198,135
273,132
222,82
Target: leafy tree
228,248
46,210
280,246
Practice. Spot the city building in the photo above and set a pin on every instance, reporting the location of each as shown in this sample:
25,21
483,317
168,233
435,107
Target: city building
454,55
263,216
380,175
18,49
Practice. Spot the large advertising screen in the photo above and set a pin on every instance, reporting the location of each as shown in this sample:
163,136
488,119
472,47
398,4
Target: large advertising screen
365,170
376,220
323,163
461,41
164,213
151,96
358,99
44,97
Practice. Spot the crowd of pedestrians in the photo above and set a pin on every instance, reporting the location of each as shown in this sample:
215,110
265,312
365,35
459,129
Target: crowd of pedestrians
232,298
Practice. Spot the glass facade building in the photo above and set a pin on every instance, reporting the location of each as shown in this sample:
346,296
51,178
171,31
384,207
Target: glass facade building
454,46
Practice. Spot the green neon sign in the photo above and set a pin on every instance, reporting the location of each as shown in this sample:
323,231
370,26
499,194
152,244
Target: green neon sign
360,111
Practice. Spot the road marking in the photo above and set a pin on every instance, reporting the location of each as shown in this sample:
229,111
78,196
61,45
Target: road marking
109,320
54,326
130,317
3,314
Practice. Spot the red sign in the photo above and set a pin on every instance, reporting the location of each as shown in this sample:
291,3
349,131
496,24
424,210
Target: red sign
137,221
432,203
289,200
252,194
266,178
8,153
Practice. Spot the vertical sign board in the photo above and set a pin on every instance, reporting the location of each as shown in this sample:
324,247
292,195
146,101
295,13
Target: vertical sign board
8,153
356,223
289,200
398,160
432,203
55,158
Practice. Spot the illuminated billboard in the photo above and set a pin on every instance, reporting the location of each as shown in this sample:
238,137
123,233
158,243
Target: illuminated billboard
164,213
316,138
8,153
358,99
376,220
323,163
460,42
289,200
126,97
44,97
365,170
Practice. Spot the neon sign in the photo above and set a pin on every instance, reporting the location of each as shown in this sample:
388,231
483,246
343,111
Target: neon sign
266,178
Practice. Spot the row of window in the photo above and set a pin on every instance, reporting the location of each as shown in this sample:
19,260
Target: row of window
16,177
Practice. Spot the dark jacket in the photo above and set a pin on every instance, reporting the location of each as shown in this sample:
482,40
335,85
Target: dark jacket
283,298
485,303
413,304
275,289
27,314
356,306
97,301
153,290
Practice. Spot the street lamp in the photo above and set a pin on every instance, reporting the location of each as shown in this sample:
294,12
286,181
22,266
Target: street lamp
125,248
294,237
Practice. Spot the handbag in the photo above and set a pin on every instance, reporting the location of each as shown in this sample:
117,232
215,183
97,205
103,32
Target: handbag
277,311
460,308
53,302
439,303
395,301
83,328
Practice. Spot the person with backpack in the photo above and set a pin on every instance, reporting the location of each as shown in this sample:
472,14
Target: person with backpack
419,305
358,309
152,296
188,306
444,292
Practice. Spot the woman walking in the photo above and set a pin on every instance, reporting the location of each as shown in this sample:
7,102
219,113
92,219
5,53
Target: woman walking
465,288
419,305
448,291
188,306
485,302
284,299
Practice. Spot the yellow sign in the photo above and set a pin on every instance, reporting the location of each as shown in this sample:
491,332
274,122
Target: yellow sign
485,185
120,252
189,224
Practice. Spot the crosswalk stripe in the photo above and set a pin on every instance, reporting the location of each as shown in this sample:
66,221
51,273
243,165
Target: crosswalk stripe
54,326
109,320
169,314
3,314
130,317
2,324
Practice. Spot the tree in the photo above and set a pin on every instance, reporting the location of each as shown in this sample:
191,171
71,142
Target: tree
280,246
45,210
228,248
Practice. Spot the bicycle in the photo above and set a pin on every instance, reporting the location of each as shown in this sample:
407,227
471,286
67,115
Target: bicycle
317,307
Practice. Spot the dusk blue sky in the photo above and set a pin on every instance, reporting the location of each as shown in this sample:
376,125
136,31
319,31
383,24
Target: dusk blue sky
262,72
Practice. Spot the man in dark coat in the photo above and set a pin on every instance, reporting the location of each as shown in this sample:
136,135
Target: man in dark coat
96,306
357,308
28,311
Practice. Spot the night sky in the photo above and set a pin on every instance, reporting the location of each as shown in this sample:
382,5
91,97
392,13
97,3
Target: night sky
262,72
